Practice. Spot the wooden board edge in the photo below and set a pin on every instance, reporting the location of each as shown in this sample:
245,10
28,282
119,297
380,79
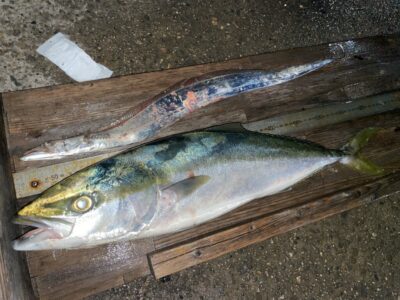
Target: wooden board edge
15,282
176,258
5,136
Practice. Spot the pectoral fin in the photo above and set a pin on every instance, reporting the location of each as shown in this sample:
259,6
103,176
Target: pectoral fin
184,188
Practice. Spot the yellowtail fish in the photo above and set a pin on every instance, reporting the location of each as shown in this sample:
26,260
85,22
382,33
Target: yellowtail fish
174,184
166,109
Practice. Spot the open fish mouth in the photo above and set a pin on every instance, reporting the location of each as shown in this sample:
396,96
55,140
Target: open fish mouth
46,230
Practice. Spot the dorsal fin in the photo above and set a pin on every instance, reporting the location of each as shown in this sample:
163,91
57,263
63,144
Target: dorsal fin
231,127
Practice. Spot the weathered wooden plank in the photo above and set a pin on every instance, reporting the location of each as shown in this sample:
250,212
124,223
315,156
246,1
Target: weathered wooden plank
45,114
54,277
370,66
111,255
141,269
33,181
100,281
14,276
174,259
325,115
74,274
55,272
383,149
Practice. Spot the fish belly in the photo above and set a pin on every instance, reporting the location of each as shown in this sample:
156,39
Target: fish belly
231,185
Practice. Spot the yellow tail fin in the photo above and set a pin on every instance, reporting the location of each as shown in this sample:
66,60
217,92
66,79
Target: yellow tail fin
354,160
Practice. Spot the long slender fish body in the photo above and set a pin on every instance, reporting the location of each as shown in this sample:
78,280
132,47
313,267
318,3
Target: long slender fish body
171,185
168,108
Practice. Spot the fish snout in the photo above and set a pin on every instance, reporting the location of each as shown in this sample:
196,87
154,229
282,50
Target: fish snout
47,233
40,153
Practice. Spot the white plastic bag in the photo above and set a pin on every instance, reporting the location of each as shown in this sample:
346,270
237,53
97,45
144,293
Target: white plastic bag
75,62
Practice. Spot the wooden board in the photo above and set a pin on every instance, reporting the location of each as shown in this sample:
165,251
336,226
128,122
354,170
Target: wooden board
70,274
363,67
77,273
14,278
36,116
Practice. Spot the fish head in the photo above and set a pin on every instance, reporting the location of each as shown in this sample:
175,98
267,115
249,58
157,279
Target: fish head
42,152
74,213
58,149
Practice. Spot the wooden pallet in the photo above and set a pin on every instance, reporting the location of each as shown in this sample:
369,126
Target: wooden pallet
362,67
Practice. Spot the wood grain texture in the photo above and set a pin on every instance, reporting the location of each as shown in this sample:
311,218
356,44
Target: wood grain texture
40,115
34,181
72,274
177,258
369,66
78,272
14,277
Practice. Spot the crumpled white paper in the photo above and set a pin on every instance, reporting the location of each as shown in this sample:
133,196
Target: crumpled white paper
75,62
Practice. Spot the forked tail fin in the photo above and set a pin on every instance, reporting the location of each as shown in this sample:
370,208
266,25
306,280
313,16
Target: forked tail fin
354,160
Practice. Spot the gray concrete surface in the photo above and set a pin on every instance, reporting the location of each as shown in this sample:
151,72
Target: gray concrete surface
354,255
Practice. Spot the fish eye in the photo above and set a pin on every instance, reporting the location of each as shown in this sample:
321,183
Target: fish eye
82,204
